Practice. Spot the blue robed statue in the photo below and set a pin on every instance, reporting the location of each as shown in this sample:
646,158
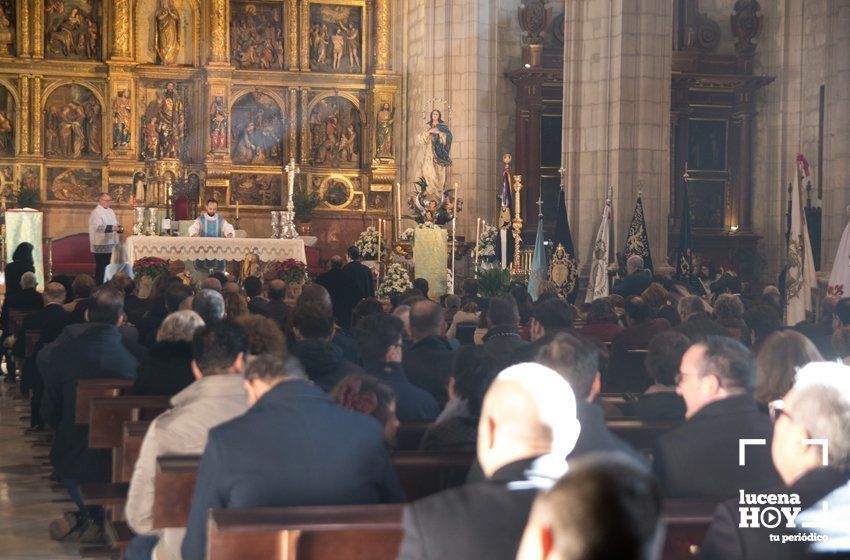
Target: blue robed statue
438,146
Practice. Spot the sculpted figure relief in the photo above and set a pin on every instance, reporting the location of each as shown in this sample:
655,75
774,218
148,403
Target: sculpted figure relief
72,29
257,130
335,133
121,112
167,36
164,124
335,38
73,124
256,36
384,131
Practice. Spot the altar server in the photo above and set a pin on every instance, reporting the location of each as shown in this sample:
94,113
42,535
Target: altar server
211,224
103,234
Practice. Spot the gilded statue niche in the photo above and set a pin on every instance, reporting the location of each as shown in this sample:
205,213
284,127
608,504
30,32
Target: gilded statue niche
8,45
8,122
76,184
73,123
72,29
255,189
165,120
257,130
167,32
336,132
336,38
257,35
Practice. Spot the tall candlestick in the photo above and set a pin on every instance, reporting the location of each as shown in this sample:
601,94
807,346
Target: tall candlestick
379,242
398,210
237,209
477,239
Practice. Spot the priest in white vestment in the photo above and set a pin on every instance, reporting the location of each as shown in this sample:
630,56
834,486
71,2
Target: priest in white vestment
211,224
103,234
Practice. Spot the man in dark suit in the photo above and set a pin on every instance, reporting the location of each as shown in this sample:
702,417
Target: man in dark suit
699,459
816,408
277,309
134,306
334,281
576,359
636,280
49,321
359,284
334,457
528,426
257,304
96,353
324,361
502,339
604,507
428,360
642,328
380,340
27,298
550,316
696,322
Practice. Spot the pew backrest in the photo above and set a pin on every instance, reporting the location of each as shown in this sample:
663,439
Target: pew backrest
174,486
686,524
88,389
131,443
16,319
108,415
641,434
30,342
422,474
409,435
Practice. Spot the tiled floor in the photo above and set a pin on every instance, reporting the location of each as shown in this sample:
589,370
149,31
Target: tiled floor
27,501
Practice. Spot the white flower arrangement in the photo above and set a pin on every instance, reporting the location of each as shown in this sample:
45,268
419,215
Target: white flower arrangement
428,225
487,244
396,280
406,236
367,244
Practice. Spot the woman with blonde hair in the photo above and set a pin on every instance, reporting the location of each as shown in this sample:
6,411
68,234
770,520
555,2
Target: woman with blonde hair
235,305
781,355
118,263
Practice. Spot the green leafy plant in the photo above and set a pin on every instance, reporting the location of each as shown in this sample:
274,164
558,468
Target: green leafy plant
305,202
493,282
28,197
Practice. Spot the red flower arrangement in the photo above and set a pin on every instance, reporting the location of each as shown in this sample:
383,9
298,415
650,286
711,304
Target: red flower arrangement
291,271
150,266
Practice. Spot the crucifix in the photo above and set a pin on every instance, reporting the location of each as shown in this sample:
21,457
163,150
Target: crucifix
539,204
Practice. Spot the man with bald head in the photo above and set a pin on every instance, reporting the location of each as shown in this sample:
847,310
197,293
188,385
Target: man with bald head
50,321
428,361
277,309
527,427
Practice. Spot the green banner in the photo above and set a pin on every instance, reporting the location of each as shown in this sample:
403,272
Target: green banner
429,258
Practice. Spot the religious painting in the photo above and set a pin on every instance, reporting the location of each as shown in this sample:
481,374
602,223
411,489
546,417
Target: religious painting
31,177
122,110
257,130
336,38
378,200
256,35
384,127
165,121
255,189
121,193
707,202
335,133
338,191
75,184
218,120
73,123
706,145
7,28
7,123
72,29
8,188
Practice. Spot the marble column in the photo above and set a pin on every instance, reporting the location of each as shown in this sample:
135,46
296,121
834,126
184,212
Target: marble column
617,63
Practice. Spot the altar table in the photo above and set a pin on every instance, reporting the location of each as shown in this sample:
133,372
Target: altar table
213,248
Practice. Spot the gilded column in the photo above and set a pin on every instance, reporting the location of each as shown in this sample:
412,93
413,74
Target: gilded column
305,145
292,31
24,43
383,64
36,115
291,152
37,29
305,44
218,32
25,114
120,47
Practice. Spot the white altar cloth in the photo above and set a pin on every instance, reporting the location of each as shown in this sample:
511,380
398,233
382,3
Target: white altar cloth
213,248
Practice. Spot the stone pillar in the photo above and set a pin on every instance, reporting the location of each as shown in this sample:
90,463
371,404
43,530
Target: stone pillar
617,63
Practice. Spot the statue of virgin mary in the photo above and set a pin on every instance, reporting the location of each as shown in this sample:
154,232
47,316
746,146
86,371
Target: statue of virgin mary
436,160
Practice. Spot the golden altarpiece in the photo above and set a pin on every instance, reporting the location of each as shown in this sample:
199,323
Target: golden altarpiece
209,97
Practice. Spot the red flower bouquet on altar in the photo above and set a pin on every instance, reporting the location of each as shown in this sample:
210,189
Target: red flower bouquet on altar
150,267
291,271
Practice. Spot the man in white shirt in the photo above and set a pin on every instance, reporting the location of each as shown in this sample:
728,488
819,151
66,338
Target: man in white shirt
103,234
211,224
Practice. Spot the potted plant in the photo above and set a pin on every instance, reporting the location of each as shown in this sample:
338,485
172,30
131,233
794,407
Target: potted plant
396,281
28,197
304,202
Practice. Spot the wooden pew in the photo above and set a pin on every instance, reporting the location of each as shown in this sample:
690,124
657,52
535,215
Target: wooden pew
88,389
375,532
410,434
306,533
420,475
641,434
131,444
30,342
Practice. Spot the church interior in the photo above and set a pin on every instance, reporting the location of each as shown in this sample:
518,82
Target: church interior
482,148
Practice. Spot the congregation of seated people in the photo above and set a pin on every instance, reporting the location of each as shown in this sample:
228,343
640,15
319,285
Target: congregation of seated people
584,427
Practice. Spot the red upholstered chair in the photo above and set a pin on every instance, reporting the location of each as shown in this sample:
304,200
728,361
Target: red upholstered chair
181,209
314,264
72,255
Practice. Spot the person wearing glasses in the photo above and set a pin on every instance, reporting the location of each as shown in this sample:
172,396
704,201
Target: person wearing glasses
816,409
699,459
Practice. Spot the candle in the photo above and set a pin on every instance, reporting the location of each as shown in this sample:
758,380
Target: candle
477,237
237,209
457,199
398,209
379,240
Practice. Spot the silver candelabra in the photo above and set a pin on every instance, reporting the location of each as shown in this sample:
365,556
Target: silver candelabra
287,217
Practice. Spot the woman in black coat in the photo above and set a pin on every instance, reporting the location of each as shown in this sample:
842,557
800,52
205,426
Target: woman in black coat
168,368
21,262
